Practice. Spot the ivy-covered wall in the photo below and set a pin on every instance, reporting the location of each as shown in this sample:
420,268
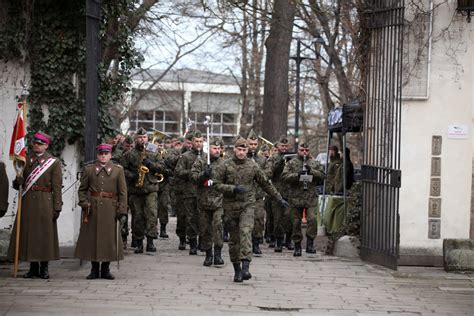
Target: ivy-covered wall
50,35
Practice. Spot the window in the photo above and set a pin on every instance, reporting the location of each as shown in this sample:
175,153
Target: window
223,124
167,122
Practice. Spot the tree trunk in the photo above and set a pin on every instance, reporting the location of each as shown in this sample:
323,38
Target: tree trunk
275,100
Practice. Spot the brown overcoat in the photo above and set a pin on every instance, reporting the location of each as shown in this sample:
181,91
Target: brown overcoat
98,237
38,230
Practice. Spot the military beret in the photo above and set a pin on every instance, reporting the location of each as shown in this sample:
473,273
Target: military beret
215,141
141,131
283,140
42,138
303,144
264,147
129,139
252,135
189,135
197,134
240,142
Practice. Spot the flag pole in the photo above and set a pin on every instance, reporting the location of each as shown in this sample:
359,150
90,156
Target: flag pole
19,167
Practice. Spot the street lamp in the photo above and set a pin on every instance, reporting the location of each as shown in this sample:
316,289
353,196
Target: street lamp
298,59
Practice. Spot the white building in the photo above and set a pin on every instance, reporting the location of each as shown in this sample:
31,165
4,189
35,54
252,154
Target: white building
437,140
167,102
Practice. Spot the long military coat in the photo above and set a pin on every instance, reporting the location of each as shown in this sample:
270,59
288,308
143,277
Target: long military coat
38,231
297,195
3,189
98,237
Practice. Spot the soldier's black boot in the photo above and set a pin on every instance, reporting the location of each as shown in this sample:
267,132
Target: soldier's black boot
94,271
124,242
163,233
279,244
288,242
218,256
297,252
150,247
245,270
226,235
193,247
33,272
182,243
44,271
237,272
105,271
255,246
271,243
310,245
208,260
139,246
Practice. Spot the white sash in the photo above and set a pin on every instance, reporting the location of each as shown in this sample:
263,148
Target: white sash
36,173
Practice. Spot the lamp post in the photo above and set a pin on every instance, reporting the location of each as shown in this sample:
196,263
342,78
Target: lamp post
298,59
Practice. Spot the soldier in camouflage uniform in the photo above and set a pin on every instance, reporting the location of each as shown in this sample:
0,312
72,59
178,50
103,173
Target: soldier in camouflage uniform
209,203
303,174
177,186
183,172
335,164
236,178
143,200
128,144
257,234
282,220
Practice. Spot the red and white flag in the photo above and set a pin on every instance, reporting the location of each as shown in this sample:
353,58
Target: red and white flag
17,145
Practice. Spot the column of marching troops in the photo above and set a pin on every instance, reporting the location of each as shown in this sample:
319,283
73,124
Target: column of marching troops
242,198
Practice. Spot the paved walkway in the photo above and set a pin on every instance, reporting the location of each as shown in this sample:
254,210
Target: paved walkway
174,283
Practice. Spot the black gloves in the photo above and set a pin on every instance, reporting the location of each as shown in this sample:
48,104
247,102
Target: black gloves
56,214
147,163
240,189
284,203
207,172
19,180
121,217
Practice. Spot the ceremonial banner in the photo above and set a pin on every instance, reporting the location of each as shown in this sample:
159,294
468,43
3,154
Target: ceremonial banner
17,145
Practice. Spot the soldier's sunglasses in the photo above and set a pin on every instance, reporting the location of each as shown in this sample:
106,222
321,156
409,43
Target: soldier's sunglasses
304,149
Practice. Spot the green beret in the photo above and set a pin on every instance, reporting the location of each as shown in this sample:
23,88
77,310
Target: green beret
252,135
283,140
303,144
197,134
264,147
129,139
240,142
189,135
215,141
141,131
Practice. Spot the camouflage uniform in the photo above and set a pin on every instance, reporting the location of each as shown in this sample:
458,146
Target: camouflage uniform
236,179
183,171
334,177
281,216
303,196
259,225
209,202
143,201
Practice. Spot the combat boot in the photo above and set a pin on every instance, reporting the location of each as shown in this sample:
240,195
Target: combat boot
237,272
139,246
133,244
182,243
124,242
279,244
44,271
218,256
255,246
271,243
193,247
105,271
288,242
150,247
33,272
163,233
245,270
297,252
94,271
208,260
309,245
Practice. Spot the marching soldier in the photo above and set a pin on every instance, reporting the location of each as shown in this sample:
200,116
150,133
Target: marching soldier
103,199
257,234
236,179
3,189
281,218
303,174
41,204
183,171
143,168
177,185
209,203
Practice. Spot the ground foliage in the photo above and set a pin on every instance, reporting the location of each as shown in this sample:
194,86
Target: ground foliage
51,37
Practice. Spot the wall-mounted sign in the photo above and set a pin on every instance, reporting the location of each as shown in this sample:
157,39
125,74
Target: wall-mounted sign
458,131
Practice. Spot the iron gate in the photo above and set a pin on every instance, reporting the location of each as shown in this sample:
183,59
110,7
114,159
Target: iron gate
381,173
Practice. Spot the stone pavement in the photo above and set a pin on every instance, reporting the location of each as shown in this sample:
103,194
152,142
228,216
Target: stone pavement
174,283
